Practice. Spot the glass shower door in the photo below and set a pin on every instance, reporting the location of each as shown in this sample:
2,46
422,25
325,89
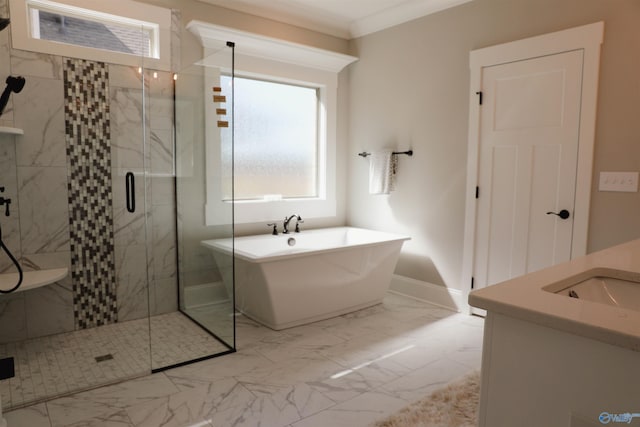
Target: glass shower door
204,161
130,161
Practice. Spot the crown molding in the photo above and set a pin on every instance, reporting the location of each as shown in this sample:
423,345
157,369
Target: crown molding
332,25
400,14
214,36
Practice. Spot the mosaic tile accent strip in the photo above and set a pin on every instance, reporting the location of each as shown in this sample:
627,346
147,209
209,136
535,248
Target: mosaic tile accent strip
88,138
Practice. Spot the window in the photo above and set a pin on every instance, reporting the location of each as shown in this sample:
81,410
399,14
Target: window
290,93
72,25
276,140
123,32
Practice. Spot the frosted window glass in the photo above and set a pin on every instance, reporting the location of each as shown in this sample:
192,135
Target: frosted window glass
276,139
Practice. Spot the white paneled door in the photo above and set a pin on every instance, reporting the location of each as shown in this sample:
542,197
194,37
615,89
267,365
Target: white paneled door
528,154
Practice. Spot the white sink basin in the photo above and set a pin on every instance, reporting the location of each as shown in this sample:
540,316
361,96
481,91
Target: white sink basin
618,288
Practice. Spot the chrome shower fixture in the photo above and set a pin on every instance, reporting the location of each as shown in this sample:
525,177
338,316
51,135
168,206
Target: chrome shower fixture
14,84
4,22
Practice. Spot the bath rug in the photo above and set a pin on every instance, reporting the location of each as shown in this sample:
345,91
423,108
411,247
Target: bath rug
455,405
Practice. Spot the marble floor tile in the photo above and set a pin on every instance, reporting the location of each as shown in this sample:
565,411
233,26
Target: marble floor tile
274,406
414,355
32,416
421,382
280,352
250,334
262,414
359,411
232,365
194,405
357,379
366,348
348,371
173,410
302,398
292,371
311,337
109,400
468,356
119,419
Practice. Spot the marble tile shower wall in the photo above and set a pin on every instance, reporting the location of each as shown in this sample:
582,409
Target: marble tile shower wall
33,170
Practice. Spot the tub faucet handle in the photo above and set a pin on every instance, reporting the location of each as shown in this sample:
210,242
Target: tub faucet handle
298,224
275,228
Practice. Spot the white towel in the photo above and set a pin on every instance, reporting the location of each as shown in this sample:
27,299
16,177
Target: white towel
382,172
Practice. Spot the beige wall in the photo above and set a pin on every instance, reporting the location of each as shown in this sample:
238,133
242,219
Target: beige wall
410,88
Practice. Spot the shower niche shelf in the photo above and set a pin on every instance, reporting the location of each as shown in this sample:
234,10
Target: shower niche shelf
33,279
5,130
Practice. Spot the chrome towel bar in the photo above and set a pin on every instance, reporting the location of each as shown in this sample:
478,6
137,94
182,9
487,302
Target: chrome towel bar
408,153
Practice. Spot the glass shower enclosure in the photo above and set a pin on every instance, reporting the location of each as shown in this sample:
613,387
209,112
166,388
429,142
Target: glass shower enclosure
107,167
80,180
204,191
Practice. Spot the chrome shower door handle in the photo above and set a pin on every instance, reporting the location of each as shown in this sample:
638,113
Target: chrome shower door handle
130,182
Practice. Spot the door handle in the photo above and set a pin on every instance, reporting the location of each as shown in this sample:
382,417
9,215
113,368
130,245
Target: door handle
564,214
130,183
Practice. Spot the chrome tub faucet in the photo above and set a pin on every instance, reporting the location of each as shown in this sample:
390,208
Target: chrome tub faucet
288,220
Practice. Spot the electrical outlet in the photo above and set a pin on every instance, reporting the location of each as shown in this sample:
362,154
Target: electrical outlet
619,181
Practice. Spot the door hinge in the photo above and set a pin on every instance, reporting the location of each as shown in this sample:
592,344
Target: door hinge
479,93
477,192
472,282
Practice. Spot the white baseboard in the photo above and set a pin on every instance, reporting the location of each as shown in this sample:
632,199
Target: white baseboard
452,299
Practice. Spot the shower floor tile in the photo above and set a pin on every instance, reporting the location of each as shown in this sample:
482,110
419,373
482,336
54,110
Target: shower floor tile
60,364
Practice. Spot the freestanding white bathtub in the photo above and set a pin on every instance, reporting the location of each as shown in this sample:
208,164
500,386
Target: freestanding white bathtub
319,274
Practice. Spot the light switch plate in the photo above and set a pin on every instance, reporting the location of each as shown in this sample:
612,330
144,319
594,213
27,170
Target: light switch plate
619,181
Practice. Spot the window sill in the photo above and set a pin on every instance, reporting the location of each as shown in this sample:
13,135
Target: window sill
246,212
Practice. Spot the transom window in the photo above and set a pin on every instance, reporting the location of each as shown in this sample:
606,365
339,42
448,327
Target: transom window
83,27
119,32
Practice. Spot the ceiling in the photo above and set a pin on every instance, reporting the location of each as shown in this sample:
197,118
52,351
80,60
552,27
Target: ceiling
341,18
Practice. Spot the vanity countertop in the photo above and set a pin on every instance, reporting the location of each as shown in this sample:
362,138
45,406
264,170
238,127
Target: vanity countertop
525,298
